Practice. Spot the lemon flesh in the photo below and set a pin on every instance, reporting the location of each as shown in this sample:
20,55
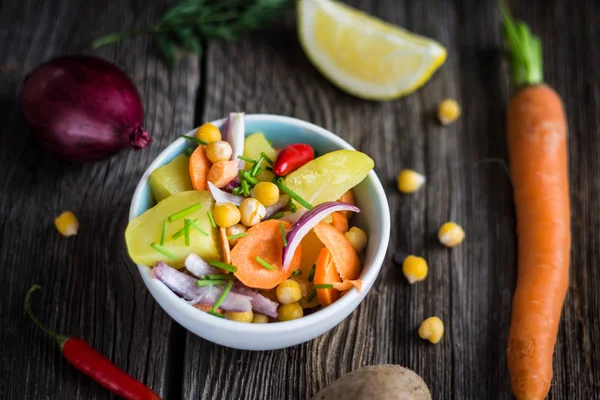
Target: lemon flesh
363,55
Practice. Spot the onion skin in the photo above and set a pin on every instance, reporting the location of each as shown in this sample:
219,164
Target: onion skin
83,108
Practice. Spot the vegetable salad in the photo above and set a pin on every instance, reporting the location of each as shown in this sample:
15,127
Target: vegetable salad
251,233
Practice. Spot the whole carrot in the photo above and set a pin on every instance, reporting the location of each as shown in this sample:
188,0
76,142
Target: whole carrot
537,148
89,361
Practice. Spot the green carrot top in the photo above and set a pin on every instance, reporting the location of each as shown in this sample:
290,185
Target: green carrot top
524,51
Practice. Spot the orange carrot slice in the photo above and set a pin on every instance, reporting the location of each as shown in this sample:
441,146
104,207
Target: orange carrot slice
222,172
265,241
344,257
199,167
224,243
348,198
339,221
347,285
326,273
311,247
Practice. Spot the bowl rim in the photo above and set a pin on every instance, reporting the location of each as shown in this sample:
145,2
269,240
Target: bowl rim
345,302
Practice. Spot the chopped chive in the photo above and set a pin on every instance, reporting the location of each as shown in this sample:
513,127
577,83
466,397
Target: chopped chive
194,224
237,236
219,277
184,212
312,296
265,264
283,234
211,219
258,171
277,215
323,286
292,194
245,188
165,251
222,265
311,274
216,314
163,233
180,232
249,178
209,282
189,151
186,231
267,158
236,191
223,295
256,166
293,207
195,140
270,143
269,169
297,272
247,159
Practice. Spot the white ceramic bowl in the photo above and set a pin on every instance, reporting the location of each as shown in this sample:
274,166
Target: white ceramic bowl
374,219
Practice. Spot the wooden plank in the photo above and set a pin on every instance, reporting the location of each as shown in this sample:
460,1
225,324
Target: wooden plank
91,288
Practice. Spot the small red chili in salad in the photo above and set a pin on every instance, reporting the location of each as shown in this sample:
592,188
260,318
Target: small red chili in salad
292,157
89,361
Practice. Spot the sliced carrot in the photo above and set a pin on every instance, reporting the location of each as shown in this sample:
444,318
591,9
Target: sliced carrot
326,273
339,222
264,240
348,198
222,172
199,167
205,308
311,247
224,243
348,284
344,256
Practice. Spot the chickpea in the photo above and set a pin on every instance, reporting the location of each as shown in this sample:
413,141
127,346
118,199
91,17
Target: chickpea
260,319
234,230
357,238
266,192
218,151
289,291
226,215
289,312
252,212
246,316
208,133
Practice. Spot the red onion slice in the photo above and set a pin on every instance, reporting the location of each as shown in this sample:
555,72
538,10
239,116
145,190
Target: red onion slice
222,196
293,217
198,267
185,286
260,303
283,200
234,132
306,222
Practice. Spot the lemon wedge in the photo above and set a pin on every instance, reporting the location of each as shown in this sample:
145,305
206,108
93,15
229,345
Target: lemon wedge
363,55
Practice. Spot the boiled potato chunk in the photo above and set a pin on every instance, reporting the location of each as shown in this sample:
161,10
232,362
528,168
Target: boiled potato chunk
171,178
328,177
255,144
147,228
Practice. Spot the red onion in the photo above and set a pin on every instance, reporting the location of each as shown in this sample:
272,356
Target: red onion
83,108
234,132
222,196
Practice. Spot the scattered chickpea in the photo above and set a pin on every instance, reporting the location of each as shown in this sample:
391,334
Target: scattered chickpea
226,214
288,292
357,238
260,319
209,133
432,329
218,151
448,111
266,192
252,212
246,316
410,181
67,224
288,312
451,234
415,269
235,230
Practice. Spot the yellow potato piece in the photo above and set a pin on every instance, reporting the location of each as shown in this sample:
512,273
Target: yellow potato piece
253,146
171,178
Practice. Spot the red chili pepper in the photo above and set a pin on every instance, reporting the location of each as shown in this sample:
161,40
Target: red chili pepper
89,361
292,157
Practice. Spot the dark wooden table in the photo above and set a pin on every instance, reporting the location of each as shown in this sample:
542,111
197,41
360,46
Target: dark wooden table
93,290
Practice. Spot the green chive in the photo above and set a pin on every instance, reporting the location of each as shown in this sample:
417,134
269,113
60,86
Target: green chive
283,234
255,166
245,188
267,158
249,178
293,207
163,233
222,265
216,314
165,251
189,151
186,231
237,236
312,296
323,286
211,219
194,225
292,194
219,277
270,143
195,140
311,274
209,282
247,159
265,264
277,215
258,171
180,232
297,272
185,212
236,191
269,169
223,295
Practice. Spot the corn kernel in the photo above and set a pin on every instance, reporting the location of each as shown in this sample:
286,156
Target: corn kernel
415,269
252,212
266,192
226,214
357,238
432,329
246,316
235,230
410,181
209,133
288,312
67,224
260,319
448,111
218,151
451,234
288,292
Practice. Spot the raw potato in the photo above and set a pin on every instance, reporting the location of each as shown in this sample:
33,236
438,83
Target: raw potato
377,382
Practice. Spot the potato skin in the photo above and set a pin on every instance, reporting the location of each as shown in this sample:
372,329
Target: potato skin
377,382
